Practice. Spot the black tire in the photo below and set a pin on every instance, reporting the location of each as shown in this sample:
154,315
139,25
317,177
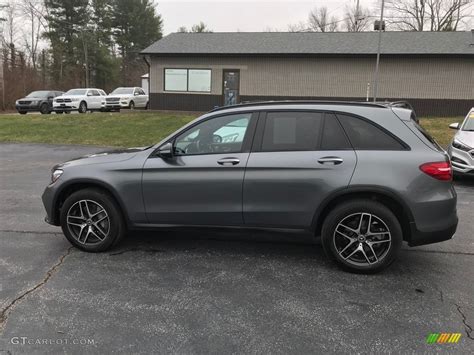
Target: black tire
59,112
44,109
83,107
22,112
147,106
385,246
131,106
84,233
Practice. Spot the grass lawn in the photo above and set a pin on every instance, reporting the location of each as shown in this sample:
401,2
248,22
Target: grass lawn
106,129
438,127
129,129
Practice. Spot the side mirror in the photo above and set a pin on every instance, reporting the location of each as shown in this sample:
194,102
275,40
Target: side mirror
136,94
454,125
165,151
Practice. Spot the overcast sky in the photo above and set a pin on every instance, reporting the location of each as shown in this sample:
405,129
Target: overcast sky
245,15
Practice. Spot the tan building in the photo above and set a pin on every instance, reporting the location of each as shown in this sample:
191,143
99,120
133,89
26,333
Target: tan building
434,71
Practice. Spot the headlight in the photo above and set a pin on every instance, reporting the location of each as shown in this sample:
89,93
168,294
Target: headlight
34,102
56,175
458,145
123,98
75,99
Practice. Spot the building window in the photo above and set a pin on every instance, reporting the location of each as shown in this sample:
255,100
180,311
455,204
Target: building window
193,80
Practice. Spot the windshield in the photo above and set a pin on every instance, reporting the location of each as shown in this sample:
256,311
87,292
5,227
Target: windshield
469,123
76,92
123,91
38,94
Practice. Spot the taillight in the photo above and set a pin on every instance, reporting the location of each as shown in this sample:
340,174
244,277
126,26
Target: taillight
440,170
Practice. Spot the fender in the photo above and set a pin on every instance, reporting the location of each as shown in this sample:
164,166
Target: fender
360,189
95,182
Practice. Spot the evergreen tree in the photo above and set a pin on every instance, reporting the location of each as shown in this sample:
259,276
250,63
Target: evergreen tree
136,25
67,27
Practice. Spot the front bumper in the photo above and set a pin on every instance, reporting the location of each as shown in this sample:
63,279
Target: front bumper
116,105
49,201
69,106
27,108
461,161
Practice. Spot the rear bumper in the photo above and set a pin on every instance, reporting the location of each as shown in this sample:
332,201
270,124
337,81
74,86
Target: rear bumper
429,237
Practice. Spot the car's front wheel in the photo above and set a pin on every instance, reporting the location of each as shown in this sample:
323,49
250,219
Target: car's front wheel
82,107
362,236
44,109
91,220
131,106
22,112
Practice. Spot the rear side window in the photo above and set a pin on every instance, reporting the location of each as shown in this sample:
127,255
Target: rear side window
333,137
366,136
292,131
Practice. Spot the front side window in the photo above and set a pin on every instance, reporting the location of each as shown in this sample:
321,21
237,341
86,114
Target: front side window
366,136
195,80
292,131
223,134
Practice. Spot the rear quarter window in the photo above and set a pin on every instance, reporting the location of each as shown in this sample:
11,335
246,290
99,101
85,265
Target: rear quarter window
367,136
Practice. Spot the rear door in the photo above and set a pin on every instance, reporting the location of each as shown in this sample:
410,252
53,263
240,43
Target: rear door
297,160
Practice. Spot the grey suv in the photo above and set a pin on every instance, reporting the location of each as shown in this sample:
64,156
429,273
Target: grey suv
364,177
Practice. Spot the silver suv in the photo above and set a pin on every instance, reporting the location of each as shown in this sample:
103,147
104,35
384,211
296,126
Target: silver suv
364,177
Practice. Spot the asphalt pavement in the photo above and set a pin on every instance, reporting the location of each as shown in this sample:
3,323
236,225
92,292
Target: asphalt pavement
209,292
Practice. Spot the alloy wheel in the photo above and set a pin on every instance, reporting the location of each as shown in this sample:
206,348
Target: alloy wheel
362,239
88,222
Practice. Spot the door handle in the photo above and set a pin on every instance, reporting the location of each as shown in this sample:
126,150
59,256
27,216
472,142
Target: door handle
228,161
330,160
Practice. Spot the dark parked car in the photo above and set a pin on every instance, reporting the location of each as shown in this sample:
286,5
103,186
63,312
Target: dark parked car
37,101
362,176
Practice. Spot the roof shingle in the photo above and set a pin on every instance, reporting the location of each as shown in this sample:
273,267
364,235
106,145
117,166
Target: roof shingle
283,43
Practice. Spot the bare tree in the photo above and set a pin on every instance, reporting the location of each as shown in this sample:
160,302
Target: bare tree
298,27
33,12
432,15
319,20
357,19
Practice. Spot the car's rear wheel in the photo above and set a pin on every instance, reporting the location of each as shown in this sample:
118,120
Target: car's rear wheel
44,109
147,106
82,107
92,221
362,236
22,112
59,112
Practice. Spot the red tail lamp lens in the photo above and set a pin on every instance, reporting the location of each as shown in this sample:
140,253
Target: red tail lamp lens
440,170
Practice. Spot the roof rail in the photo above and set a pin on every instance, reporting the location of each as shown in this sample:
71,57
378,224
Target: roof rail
307,102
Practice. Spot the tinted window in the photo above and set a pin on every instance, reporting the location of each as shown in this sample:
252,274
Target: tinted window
333,137
223,134
366,136
292,131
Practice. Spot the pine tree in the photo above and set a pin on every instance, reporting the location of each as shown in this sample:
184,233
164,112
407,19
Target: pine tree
136,25
67,32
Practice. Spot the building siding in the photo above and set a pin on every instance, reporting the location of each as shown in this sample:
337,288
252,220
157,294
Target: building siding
420,79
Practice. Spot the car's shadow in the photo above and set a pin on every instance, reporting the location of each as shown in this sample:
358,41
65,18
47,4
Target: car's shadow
293,249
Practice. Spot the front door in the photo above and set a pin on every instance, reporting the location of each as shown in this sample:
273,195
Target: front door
202,183
231,84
